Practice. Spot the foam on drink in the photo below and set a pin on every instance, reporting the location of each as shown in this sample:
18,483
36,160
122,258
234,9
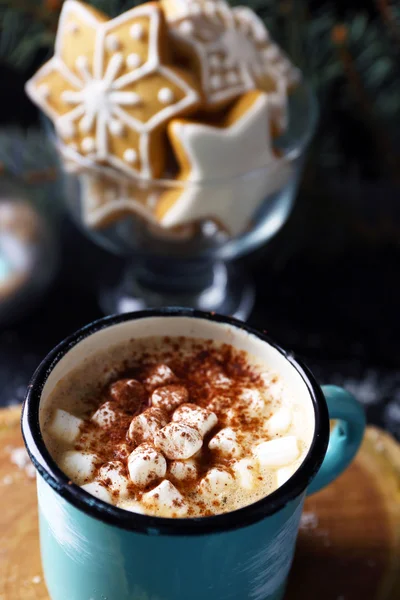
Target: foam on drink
176,427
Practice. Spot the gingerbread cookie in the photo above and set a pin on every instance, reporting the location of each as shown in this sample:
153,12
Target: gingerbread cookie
226,171
231,50
109,90
106,200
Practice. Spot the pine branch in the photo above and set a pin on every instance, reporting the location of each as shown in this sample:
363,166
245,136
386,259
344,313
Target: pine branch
363,101
390,17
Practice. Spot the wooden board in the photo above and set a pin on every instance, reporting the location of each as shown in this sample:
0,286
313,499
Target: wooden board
348,546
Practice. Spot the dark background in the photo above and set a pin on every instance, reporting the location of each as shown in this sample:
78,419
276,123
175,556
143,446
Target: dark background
328,284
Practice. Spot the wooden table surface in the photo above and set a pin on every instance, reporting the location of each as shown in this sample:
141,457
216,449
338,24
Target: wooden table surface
348,546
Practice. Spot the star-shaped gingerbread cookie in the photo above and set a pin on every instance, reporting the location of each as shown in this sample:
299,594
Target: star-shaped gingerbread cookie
232,51
226,171
109,91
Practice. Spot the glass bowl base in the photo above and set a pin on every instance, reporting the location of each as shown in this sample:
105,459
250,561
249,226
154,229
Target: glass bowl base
212,286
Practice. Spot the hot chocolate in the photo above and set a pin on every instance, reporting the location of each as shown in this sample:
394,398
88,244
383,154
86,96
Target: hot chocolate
176,427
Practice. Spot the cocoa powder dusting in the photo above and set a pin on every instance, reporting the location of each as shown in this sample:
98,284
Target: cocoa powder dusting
211,376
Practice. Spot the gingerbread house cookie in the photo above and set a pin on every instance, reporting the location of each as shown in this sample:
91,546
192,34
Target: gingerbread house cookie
110,89
232,52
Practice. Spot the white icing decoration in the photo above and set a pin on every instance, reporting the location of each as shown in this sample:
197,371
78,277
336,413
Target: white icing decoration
85,124
195,9
88,144
240,36
221,155
66,129
209,8
151,201
216,82
272,53
44,91
186,27
112,43
133,60
215,61
136,31
100,92
165,95
116,127
130,155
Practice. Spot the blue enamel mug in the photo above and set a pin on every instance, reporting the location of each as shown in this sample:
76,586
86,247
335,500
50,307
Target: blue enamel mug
94,551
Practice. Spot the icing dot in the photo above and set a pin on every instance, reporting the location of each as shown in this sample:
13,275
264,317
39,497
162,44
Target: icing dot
88,144
165,95
215,61
43,91
260,35
133,60
216,82
271,53
82,62
136,31
112,42
72,27
186,27
130,155
116,127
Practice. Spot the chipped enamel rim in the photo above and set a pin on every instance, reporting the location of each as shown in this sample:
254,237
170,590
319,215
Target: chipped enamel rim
152,525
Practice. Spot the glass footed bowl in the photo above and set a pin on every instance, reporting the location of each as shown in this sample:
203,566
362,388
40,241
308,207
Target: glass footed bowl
188,259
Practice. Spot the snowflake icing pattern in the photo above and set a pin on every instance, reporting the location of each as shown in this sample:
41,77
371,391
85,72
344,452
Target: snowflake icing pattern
98,97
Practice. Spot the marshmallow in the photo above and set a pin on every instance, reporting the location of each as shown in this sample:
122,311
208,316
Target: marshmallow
245,473
166,499
225,443
253,402
169,397
159,375
200,418
216,481
283,474
144,426
64,426
113,474
78,466
277,453
98,491
178,441
279,422
183,469
217,377
145,465
219,403
128,392
105,415
132,506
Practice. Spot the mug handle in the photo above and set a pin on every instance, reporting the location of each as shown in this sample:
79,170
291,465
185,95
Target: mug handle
346,437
